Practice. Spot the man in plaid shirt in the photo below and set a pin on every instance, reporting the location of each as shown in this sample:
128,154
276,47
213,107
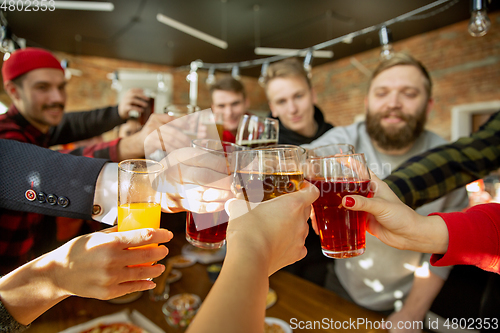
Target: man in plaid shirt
435,173
34,80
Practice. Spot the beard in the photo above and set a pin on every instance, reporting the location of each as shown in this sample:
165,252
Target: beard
395,138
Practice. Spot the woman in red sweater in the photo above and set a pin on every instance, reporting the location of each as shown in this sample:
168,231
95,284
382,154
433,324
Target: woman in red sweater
461,238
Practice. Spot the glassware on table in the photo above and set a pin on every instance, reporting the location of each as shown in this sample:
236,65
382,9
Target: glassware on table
180,309
208,230
208,119
266,173
331,150
342,231
254,131
188,125
138,202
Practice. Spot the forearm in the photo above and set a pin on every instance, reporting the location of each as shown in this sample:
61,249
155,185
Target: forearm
422,294
431,175
430,235
29,291
130,147
236,302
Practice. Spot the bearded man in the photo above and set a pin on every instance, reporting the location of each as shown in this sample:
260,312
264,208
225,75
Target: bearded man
400,283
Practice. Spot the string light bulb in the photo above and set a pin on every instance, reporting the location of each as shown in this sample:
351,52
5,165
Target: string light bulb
479,23
307,63
263,74
385,36
235,73
211,76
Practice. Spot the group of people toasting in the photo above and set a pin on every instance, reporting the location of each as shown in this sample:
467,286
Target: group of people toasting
258,197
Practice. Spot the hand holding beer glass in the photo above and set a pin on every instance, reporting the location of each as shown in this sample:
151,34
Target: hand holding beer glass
138,202
342,232
266,173
208,230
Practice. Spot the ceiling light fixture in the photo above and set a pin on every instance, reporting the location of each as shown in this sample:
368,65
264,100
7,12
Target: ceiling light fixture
479,23
385,36
263,74
235,73
85,5
191,31
291,52
211,76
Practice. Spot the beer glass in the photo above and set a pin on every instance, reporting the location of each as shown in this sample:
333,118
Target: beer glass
254,131
331,150
207,120
138,202
188,125
266,173
342,231
208,230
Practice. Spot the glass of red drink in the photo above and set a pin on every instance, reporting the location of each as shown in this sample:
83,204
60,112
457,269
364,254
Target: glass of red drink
208,230
342,231
331,150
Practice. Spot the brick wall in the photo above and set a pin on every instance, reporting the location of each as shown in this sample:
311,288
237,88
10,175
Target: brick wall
464,70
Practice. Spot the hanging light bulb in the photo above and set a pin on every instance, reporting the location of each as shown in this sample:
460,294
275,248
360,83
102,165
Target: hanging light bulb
307,63
211,76
479,23
263,74
235,73
385,36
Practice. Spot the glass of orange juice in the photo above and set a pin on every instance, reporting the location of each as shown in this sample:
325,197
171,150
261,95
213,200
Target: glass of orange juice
138,201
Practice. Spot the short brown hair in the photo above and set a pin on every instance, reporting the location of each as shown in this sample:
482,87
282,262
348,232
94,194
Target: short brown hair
400,59
228,83
286,68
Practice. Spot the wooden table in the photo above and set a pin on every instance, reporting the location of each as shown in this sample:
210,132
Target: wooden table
300,303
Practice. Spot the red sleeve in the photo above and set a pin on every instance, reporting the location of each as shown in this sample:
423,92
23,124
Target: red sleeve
228,137
474,238
105,150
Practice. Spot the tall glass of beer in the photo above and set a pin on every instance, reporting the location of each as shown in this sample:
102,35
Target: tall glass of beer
342,231
138,202
266,173
254,131
208,230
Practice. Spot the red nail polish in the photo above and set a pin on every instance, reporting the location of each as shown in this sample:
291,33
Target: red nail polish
350,202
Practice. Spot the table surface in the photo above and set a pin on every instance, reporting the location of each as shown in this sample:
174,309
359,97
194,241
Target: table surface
300,303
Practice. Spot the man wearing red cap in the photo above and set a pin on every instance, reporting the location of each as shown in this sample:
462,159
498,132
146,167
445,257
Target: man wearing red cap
34,80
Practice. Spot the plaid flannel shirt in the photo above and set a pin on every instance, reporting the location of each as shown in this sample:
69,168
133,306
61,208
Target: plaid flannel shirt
18,229
433,174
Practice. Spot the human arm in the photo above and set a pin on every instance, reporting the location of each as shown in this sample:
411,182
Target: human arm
81,125
467,238
25,166
94,265
259,242
439,171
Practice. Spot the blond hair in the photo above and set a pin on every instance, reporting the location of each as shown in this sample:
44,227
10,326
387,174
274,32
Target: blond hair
286,68
403,59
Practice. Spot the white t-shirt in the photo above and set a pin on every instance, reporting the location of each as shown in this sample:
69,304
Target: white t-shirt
383,274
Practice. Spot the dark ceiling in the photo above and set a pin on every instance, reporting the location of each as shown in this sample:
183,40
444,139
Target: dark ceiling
131,31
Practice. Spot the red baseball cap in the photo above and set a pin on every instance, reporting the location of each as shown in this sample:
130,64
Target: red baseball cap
25,60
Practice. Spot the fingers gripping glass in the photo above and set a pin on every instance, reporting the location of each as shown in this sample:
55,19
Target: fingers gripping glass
342,232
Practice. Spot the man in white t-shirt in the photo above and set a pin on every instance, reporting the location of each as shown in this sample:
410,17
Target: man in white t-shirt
383,278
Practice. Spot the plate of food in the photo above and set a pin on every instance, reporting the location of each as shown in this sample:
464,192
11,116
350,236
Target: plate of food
173,276
125,321
271,298
204,256
181,261
276,325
